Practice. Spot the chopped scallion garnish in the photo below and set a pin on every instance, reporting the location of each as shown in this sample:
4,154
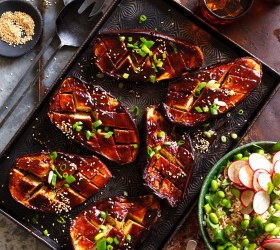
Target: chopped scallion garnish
198,109
99,236
157,148
70,179
116,241
199,87
61,220
89,134
150,152
125,76
135,110
128,238
97,123
109,240
103,215
240,111
180,143
223,138
130,39
108,135
167,143
135,146
78,126
160,134
122,38
152,79
53,155
62,167
142,18
53,182
45,232
214,109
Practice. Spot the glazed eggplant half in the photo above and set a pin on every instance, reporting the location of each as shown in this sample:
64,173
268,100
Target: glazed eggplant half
210,92
56,182
95,119
143,55
114,223
171,161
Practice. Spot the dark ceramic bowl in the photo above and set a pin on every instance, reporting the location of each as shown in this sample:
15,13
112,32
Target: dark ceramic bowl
215,171
28,8
217,19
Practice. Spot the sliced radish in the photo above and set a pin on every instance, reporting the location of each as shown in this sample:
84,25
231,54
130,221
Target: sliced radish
237,186
276,157
233,170
225,172
246,210
261,202
246,197
256,184
258,161
271,244
246,176
276,167
263,180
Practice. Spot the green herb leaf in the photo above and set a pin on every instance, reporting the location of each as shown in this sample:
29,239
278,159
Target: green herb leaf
275,147
53,155
108,135
276,179
270,188
78,126
70,179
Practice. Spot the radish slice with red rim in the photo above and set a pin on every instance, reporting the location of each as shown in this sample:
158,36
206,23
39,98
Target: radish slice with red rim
256,184
263,180
276,167
276,157
261,202
246,176
271,244
237,186
258,161
246,197
233,170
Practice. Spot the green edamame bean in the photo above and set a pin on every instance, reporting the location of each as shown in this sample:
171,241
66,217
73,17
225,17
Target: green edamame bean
252,246
257,221
232,248
245,224
213,217
238,156
214,185
226,203
245,242
275,232
221,194
207,208
277,206
269,227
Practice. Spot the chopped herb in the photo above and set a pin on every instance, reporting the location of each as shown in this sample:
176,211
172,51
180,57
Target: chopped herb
160,134
157,148
231,93
116,241
70,179
99,236
180,143
159,64
125,76
89,134
205,109
145,49
56,171
130,39
198,109
128,238
53,155
199,87
65,175
148,44
122,38
61,220
109,240
97,123
66,185
157,156
62,167
101,245
99,131
208,133
103,215
140,52
45,232
135,146
152,79
78,126
275,147
108,135
133,46
154,67
150,152
164,55
142,18
223,138
214,109
110,247
167,143
233,136
240,111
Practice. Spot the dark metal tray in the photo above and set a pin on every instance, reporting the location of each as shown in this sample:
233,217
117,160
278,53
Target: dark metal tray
37,133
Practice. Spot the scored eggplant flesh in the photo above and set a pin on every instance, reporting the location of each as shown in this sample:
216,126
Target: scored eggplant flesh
171,162
210,92
146,56
119,222
95,119
50,184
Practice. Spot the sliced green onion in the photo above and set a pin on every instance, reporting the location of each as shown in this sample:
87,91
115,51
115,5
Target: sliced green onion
109,247
133,46
122,38
78,126
157,148
125,76
62,167
135,110
143,39
145,49
65,175
142,19
199,87
53,155
157,156
149,44
61,220
89,134
174,47
70,179
214,110
108,135
198,109
66,185
167,143
109,240
150,152
97,123
99,131
140,52
56,171
99,236
160,134
135,146
180,143
164,55
231,93
223,138
101,244
45,232
152,79
103,215
240,111
116,241
205,109
208,134
130,39
159,64
128,238
233,136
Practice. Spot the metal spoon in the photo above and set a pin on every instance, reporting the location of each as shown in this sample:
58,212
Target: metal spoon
72,28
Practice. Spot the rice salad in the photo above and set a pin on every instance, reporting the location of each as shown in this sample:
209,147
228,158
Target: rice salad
242,207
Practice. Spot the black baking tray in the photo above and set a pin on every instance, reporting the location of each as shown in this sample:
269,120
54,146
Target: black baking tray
37,133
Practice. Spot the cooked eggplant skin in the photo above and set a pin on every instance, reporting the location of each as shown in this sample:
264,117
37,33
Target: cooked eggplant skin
210,92
95,119
171,161
77,178
122,221
143,55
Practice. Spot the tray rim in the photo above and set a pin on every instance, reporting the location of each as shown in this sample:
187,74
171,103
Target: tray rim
197,20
